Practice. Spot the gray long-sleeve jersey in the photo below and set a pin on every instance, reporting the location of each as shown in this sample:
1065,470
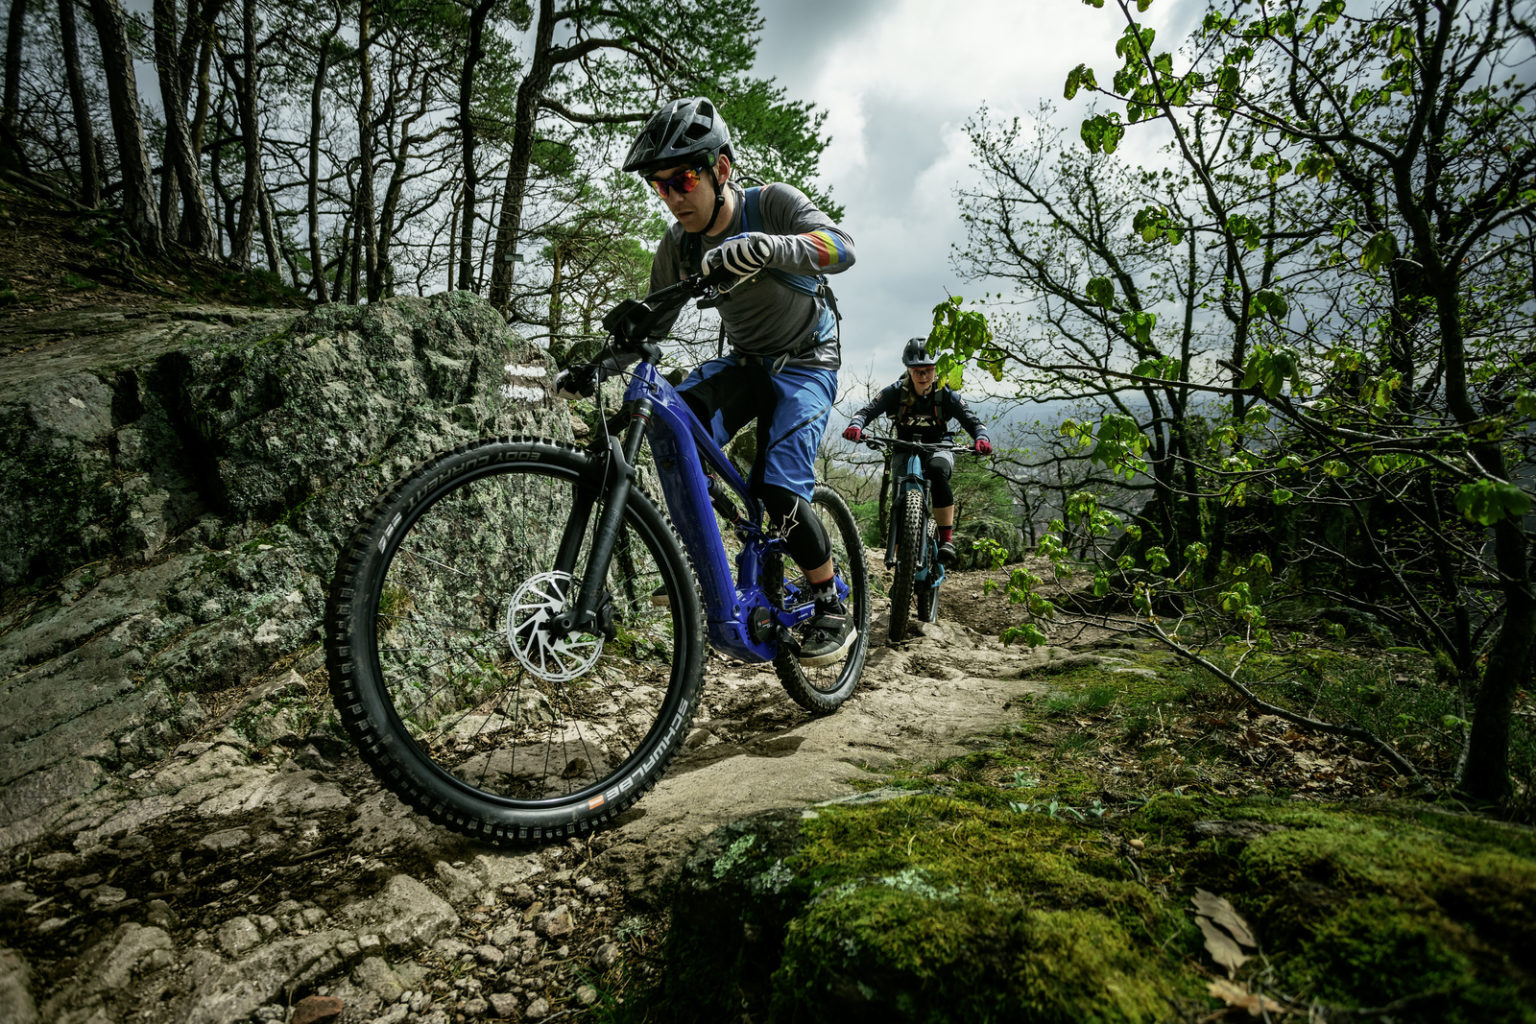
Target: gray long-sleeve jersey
763,315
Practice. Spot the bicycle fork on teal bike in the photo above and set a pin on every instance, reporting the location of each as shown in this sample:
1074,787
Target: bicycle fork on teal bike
911,485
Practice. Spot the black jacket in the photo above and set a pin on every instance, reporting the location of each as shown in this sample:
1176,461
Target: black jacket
921,418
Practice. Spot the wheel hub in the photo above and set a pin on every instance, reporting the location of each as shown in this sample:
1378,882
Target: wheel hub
531,630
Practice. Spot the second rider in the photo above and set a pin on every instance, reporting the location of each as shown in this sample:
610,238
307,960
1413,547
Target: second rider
921,412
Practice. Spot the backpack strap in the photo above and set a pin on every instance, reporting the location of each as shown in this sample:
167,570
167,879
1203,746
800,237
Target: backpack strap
814,285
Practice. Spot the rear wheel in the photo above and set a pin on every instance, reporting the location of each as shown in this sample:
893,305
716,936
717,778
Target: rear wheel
909,521
449,675
825,687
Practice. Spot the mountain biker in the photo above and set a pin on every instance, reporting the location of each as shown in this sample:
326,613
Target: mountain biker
782,325
921,412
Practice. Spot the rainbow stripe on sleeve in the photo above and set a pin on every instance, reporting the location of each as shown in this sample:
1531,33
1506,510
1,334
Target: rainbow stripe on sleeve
830,250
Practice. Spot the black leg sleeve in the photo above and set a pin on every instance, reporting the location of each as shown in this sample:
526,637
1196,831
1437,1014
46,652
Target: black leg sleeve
804,535
937,471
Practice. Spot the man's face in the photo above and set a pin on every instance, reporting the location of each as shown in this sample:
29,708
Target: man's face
692,209
922,378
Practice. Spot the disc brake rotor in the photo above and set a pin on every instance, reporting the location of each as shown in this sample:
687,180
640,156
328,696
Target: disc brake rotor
530,630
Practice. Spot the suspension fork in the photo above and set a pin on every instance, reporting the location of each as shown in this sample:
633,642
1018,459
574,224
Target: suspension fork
615,477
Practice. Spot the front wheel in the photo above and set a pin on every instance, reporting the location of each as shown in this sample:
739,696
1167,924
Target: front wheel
908,519
448,673
824,688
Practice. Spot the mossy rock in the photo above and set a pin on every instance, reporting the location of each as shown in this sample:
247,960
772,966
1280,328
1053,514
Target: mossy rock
931,907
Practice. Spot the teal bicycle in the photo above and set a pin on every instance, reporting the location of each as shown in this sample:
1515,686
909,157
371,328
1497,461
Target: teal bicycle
912,544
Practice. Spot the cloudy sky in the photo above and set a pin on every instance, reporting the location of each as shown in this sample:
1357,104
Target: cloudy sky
898,79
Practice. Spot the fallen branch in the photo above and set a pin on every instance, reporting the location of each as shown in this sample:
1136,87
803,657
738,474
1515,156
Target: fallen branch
1353,732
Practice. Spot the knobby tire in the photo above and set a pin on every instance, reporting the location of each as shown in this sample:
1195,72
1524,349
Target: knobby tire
909,521
823,689
463,707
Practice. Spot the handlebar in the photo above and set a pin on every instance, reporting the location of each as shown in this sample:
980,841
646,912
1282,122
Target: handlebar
876,442
629,325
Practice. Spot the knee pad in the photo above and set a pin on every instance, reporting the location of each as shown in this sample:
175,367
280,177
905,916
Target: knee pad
804,535
939,468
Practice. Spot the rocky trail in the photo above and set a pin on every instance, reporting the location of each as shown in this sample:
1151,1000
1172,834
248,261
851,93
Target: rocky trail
261,873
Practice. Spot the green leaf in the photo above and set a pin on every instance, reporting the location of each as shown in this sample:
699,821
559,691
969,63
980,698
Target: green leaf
1080,77
1267,302
1100,292
1029,632
1103,132
1490,501
1138,324
1380,250
1270,369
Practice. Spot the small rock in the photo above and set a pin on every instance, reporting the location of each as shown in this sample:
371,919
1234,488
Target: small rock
537,1010
238,935
556,924
228,839
504,1004
586,995
108,895
475,1008
490,955
607,955
316,1010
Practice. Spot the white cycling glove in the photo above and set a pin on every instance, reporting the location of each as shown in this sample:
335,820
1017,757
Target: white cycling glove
743,255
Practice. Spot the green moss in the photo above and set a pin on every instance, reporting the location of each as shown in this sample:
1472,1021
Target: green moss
1369,905
931,908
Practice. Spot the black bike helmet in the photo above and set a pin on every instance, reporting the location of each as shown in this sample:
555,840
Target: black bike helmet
687,131
916,353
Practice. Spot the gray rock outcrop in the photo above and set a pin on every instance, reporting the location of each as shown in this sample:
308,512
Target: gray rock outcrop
174,488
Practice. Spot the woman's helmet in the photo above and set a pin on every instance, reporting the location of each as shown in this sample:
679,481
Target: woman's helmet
687,131
916,353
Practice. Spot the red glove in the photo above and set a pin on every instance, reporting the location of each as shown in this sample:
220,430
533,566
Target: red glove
983,446
852,433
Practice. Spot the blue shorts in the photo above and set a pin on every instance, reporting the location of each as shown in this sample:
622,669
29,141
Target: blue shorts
796,403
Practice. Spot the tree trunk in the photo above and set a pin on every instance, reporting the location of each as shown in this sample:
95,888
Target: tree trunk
366,225
10,101
556,282
524,123
312,201
400,163
178,138
468,142
250,138
139,211
196,59
343,259
453,236
85,134
268,228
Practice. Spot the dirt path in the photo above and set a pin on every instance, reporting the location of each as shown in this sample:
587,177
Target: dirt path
235,880
752,749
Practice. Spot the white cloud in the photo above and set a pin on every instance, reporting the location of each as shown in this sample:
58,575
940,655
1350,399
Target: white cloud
898,82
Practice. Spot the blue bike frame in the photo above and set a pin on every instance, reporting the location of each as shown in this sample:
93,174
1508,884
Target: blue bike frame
678,440
742,620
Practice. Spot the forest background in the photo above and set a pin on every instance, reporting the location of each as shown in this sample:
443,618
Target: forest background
1297,343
